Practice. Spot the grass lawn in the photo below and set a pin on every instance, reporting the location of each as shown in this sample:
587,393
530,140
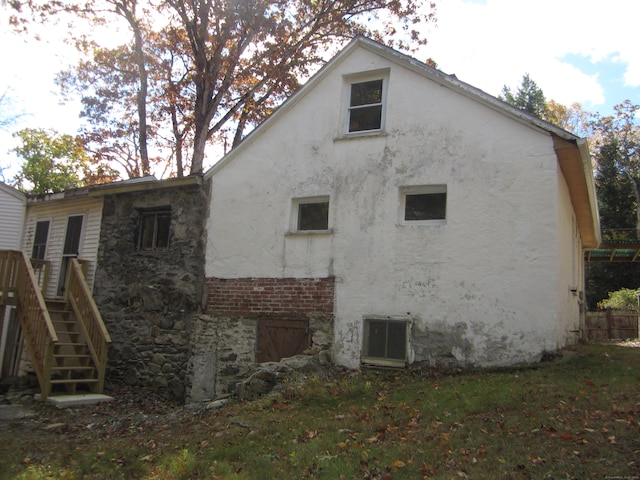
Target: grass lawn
575,417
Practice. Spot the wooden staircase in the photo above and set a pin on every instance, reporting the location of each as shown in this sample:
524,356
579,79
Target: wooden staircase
67,339
73,365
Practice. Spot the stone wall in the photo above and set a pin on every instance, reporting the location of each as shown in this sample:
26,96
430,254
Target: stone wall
148,298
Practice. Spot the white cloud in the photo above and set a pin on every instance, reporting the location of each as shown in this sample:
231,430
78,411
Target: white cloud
494,43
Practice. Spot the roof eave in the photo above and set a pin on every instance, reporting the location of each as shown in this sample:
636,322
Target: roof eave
575,164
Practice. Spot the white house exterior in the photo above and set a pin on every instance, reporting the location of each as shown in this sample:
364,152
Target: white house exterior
456,224
13,204
63,225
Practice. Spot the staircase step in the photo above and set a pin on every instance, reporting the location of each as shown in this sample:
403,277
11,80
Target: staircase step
74,380
75,355
72,367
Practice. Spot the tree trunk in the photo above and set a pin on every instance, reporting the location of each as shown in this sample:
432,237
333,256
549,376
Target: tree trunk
636,190
127,10
199,144
141,98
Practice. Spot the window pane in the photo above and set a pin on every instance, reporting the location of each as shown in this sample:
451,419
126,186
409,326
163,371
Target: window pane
162,236
426,206
146,233
366,93
396,340
367,118
313,216
40,240
377,339
72,238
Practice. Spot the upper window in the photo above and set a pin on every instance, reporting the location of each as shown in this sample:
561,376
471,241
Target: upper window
365,106
40,240
311,214
385,341
425,204
154,230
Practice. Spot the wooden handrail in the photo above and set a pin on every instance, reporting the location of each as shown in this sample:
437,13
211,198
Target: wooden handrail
87,313
39,333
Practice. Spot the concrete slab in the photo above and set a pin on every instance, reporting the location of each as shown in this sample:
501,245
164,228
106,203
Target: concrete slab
64,401
14,412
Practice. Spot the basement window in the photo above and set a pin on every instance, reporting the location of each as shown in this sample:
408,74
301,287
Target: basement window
423,205
154,230
310,214
385,341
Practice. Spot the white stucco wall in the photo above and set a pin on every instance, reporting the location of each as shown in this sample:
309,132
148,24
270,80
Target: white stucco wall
57,212
484,286
571,275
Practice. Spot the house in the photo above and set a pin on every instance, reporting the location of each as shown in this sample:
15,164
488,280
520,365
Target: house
13,204
12,213
141,246
45,285
391,214
59,227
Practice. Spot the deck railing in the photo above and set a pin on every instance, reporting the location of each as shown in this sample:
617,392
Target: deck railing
87,313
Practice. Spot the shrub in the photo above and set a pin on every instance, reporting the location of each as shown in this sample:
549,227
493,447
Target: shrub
623,299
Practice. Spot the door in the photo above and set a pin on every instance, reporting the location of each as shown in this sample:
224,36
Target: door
278,339
71,249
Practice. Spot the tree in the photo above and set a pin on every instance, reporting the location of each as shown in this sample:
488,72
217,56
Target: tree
54,163
528,97
619,138
572,118
613,153
238,60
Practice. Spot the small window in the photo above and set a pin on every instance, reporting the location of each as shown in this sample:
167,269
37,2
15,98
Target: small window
426,204
154,230
311,214
40,240
365,106
385,341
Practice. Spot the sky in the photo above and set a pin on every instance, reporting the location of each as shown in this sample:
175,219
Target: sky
584,51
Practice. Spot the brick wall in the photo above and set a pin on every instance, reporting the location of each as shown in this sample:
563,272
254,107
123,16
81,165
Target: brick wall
270,296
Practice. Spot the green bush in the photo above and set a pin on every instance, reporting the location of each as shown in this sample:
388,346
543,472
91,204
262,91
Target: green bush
623,299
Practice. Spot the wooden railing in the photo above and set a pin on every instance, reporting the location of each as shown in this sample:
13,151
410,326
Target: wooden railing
8,277
38,330
41,270
87,313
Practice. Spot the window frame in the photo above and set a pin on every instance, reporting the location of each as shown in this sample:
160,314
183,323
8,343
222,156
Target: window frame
359,78
432,189
295,213
156,213
385,361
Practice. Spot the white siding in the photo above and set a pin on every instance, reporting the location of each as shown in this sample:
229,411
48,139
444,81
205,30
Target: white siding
12,211
58,212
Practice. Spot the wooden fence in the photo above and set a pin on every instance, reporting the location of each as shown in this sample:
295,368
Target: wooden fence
611,325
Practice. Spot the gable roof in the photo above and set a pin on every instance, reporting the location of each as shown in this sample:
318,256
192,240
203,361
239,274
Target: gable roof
572,151
17,194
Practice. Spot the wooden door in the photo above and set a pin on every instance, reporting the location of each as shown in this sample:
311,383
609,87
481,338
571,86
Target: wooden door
278,339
